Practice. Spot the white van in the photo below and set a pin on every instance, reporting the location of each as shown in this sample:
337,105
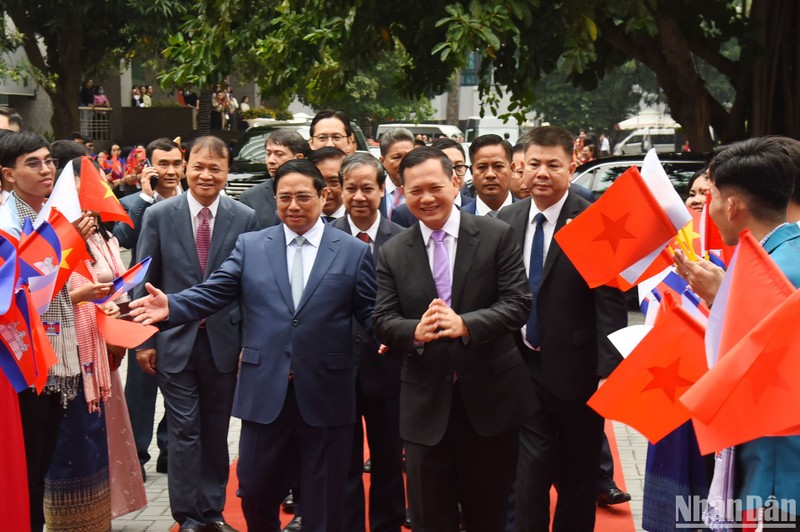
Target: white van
477,126
664,140
434,131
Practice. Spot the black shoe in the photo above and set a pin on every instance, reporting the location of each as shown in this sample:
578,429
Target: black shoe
407,523
295,525
612,496
288,503
368,466
219,526
161,464
144,475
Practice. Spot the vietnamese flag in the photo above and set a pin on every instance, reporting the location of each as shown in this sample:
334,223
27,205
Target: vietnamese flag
123,333
751,391
710,237
621,228
95,195
643,391
127,281
73,249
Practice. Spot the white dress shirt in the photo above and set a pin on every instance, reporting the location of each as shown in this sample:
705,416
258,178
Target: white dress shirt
313,238
372,231
451,227
481,209
194,210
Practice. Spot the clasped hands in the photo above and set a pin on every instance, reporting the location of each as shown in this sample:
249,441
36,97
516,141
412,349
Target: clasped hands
439,321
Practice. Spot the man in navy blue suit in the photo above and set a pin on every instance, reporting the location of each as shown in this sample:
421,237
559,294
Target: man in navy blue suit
300,284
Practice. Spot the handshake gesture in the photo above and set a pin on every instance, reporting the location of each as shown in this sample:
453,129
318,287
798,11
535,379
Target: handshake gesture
151,308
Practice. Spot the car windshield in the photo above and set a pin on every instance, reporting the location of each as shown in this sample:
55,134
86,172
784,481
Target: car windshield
252,144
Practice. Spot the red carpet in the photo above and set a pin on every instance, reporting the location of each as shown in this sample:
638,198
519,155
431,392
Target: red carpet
612,519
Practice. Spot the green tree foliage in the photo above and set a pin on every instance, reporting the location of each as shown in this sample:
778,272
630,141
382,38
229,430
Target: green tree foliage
66,42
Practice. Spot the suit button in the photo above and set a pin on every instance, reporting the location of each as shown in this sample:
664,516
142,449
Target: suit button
295,323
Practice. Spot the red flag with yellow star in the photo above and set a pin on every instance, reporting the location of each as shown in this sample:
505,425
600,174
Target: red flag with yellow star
95,195
622,227
73,249
643,391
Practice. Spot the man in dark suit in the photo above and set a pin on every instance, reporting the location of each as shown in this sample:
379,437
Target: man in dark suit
188,237
281,145
564,344
300,285
491,174
451,292
141,389
455,152
378,383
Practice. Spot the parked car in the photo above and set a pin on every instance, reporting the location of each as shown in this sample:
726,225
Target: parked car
599,174
249,161
639,141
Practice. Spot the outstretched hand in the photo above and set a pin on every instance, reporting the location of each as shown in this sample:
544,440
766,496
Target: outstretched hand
151,308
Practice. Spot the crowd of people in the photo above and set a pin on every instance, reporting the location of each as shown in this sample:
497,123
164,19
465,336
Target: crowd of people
346,287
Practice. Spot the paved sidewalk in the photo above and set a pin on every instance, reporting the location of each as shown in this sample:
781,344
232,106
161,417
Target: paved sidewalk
156,515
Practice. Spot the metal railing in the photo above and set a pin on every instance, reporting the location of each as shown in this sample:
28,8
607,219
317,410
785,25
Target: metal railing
96,122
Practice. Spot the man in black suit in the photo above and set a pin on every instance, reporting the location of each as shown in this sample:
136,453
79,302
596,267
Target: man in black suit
564,344
451,292
328,161
282,145
491,174
188,237
455,152
378,381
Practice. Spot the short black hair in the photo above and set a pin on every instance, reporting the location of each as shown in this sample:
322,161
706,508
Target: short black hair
325,153
792,147
19,143
12,116
75,136
419,155
549,136
66,150
518,148
443,143
163,144
330,113
290,139
703,172
359,159
300,166
760,169
489,140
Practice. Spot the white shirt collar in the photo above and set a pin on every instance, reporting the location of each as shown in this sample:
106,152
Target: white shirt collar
451,226
195,206
313,236
551,213
338,213
481,209
372,231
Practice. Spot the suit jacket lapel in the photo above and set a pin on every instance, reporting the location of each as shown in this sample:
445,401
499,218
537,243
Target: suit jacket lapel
275,247
418,266
569,211
222,226
325,254
466,248
183,228
384,233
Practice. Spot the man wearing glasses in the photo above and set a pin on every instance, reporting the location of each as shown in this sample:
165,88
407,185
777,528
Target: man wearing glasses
332,128
300,285
455,152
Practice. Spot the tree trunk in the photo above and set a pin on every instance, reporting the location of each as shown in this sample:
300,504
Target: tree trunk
66,117
204,113
454,98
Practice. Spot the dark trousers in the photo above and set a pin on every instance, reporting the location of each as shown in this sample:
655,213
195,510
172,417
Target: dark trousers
560,444
606,481
465,467
141,391
199,401
271,454
41,418
387,496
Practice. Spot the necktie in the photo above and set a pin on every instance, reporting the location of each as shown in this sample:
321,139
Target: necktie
364,237
493,213
297,270
203,237
397,196
441,266
327,219
535,279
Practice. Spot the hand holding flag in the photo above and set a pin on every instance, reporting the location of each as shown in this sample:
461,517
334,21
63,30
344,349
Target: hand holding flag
126,281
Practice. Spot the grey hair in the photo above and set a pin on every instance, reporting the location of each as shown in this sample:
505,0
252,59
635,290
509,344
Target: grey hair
393,136
359,159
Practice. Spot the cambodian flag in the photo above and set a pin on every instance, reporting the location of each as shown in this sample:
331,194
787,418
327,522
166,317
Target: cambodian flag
8,271
40,261
17,359
127,281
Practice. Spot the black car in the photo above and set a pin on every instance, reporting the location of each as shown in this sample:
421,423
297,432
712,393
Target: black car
599,174
249,164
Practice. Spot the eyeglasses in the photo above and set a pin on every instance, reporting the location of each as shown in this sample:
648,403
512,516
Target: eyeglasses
36,164
461,169
325,138
301,198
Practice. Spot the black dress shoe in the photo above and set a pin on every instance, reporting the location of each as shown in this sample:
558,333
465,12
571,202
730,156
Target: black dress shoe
144,475
612,496
288,503
161,464
368,466
295,525
219,526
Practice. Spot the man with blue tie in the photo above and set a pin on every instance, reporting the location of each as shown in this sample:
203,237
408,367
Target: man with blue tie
564,343
300,285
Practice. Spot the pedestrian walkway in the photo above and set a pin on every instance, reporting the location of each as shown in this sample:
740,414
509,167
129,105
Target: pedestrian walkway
156,516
